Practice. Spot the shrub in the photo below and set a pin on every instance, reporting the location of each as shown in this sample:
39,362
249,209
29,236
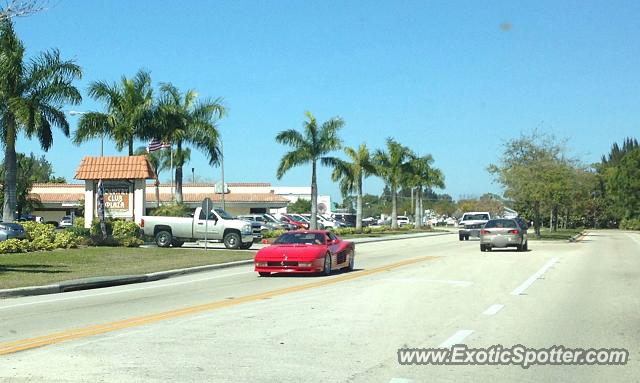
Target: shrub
127,233
39,231
97,231
78,222
173,210
630,224
65,240
79,231
126,229
14,245
273,233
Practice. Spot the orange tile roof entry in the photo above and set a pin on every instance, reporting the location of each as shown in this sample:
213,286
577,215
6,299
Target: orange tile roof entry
115,168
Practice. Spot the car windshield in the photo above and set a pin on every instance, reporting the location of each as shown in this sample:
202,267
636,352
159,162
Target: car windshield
475,217
223,214
501,223
301,239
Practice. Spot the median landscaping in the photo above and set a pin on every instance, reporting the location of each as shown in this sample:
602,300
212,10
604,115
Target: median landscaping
47,267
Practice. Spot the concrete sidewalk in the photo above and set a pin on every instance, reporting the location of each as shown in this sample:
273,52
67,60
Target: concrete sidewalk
109,281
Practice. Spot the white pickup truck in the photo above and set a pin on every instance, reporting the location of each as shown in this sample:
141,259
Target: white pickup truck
220,226
471,223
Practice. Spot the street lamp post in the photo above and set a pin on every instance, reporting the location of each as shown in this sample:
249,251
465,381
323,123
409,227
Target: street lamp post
222,172
78,113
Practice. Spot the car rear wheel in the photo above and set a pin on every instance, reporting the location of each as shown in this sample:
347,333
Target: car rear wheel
483,247
264,274
519,247
326,270
525,247
246,246
163,238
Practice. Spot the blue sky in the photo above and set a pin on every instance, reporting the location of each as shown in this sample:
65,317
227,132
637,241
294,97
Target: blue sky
441,77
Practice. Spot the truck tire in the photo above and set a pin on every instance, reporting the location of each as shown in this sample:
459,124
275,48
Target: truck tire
163,238
232,240
246,245
176,243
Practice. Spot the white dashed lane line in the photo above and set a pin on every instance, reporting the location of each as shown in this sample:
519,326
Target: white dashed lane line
525,285
493,309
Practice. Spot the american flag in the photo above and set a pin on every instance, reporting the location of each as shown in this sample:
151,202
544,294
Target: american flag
156,144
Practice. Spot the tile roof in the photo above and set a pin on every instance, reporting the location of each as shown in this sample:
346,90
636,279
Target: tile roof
166,197
115,168
230,197
248,184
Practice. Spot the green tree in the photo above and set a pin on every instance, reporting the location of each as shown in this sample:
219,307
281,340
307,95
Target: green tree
31,170
183,120
351,174
311,145
623,184
535,172
301,206
32,95
420,175
393,166
128,112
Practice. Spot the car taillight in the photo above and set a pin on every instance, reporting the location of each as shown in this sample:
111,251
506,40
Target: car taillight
485,231
142,223
514,231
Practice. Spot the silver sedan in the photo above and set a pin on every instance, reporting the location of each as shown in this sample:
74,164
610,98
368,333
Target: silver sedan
501,233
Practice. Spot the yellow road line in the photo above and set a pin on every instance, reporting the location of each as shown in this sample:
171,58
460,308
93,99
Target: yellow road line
27,344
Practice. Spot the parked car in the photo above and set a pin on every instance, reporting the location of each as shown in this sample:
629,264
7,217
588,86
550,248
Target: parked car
265,224
403,220
471,223
346,219
307,251
504,233
9,230
221,226
275,221
288,219
66,221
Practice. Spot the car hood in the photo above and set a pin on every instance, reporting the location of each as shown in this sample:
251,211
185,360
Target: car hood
292,252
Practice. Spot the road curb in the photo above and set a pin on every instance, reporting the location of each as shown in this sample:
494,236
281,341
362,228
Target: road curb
100,282
578,237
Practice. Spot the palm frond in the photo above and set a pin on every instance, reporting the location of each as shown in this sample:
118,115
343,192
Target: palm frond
292,159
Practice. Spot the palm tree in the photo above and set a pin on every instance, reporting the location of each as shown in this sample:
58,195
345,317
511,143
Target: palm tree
420,175
128,116
350,174
309,146
182,119
32,95
392,166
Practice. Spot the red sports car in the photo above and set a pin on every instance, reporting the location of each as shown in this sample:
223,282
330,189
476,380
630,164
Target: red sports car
307,251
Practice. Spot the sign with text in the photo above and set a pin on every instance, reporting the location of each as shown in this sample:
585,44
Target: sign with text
117,198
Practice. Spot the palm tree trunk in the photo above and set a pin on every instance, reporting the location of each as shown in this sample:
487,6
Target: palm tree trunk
157,192
418,217
179,160
314,197
394,207
131,147
359,205
10,171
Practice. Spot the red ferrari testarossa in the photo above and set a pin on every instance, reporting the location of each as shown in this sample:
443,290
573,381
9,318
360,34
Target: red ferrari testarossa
306,251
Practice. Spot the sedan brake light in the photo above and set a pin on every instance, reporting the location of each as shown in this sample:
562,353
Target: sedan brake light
483,231
514,231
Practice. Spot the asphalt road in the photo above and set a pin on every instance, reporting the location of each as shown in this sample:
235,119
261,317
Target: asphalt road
232,326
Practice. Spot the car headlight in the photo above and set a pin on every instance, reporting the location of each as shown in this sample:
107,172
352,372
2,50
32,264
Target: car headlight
246,229
261,264
305,264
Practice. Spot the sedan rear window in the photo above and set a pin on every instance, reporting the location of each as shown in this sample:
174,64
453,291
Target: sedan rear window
499,223
475,217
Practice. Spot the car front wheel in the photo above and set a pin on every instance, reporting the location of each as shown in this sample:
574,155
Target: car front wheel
232,241
326,270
